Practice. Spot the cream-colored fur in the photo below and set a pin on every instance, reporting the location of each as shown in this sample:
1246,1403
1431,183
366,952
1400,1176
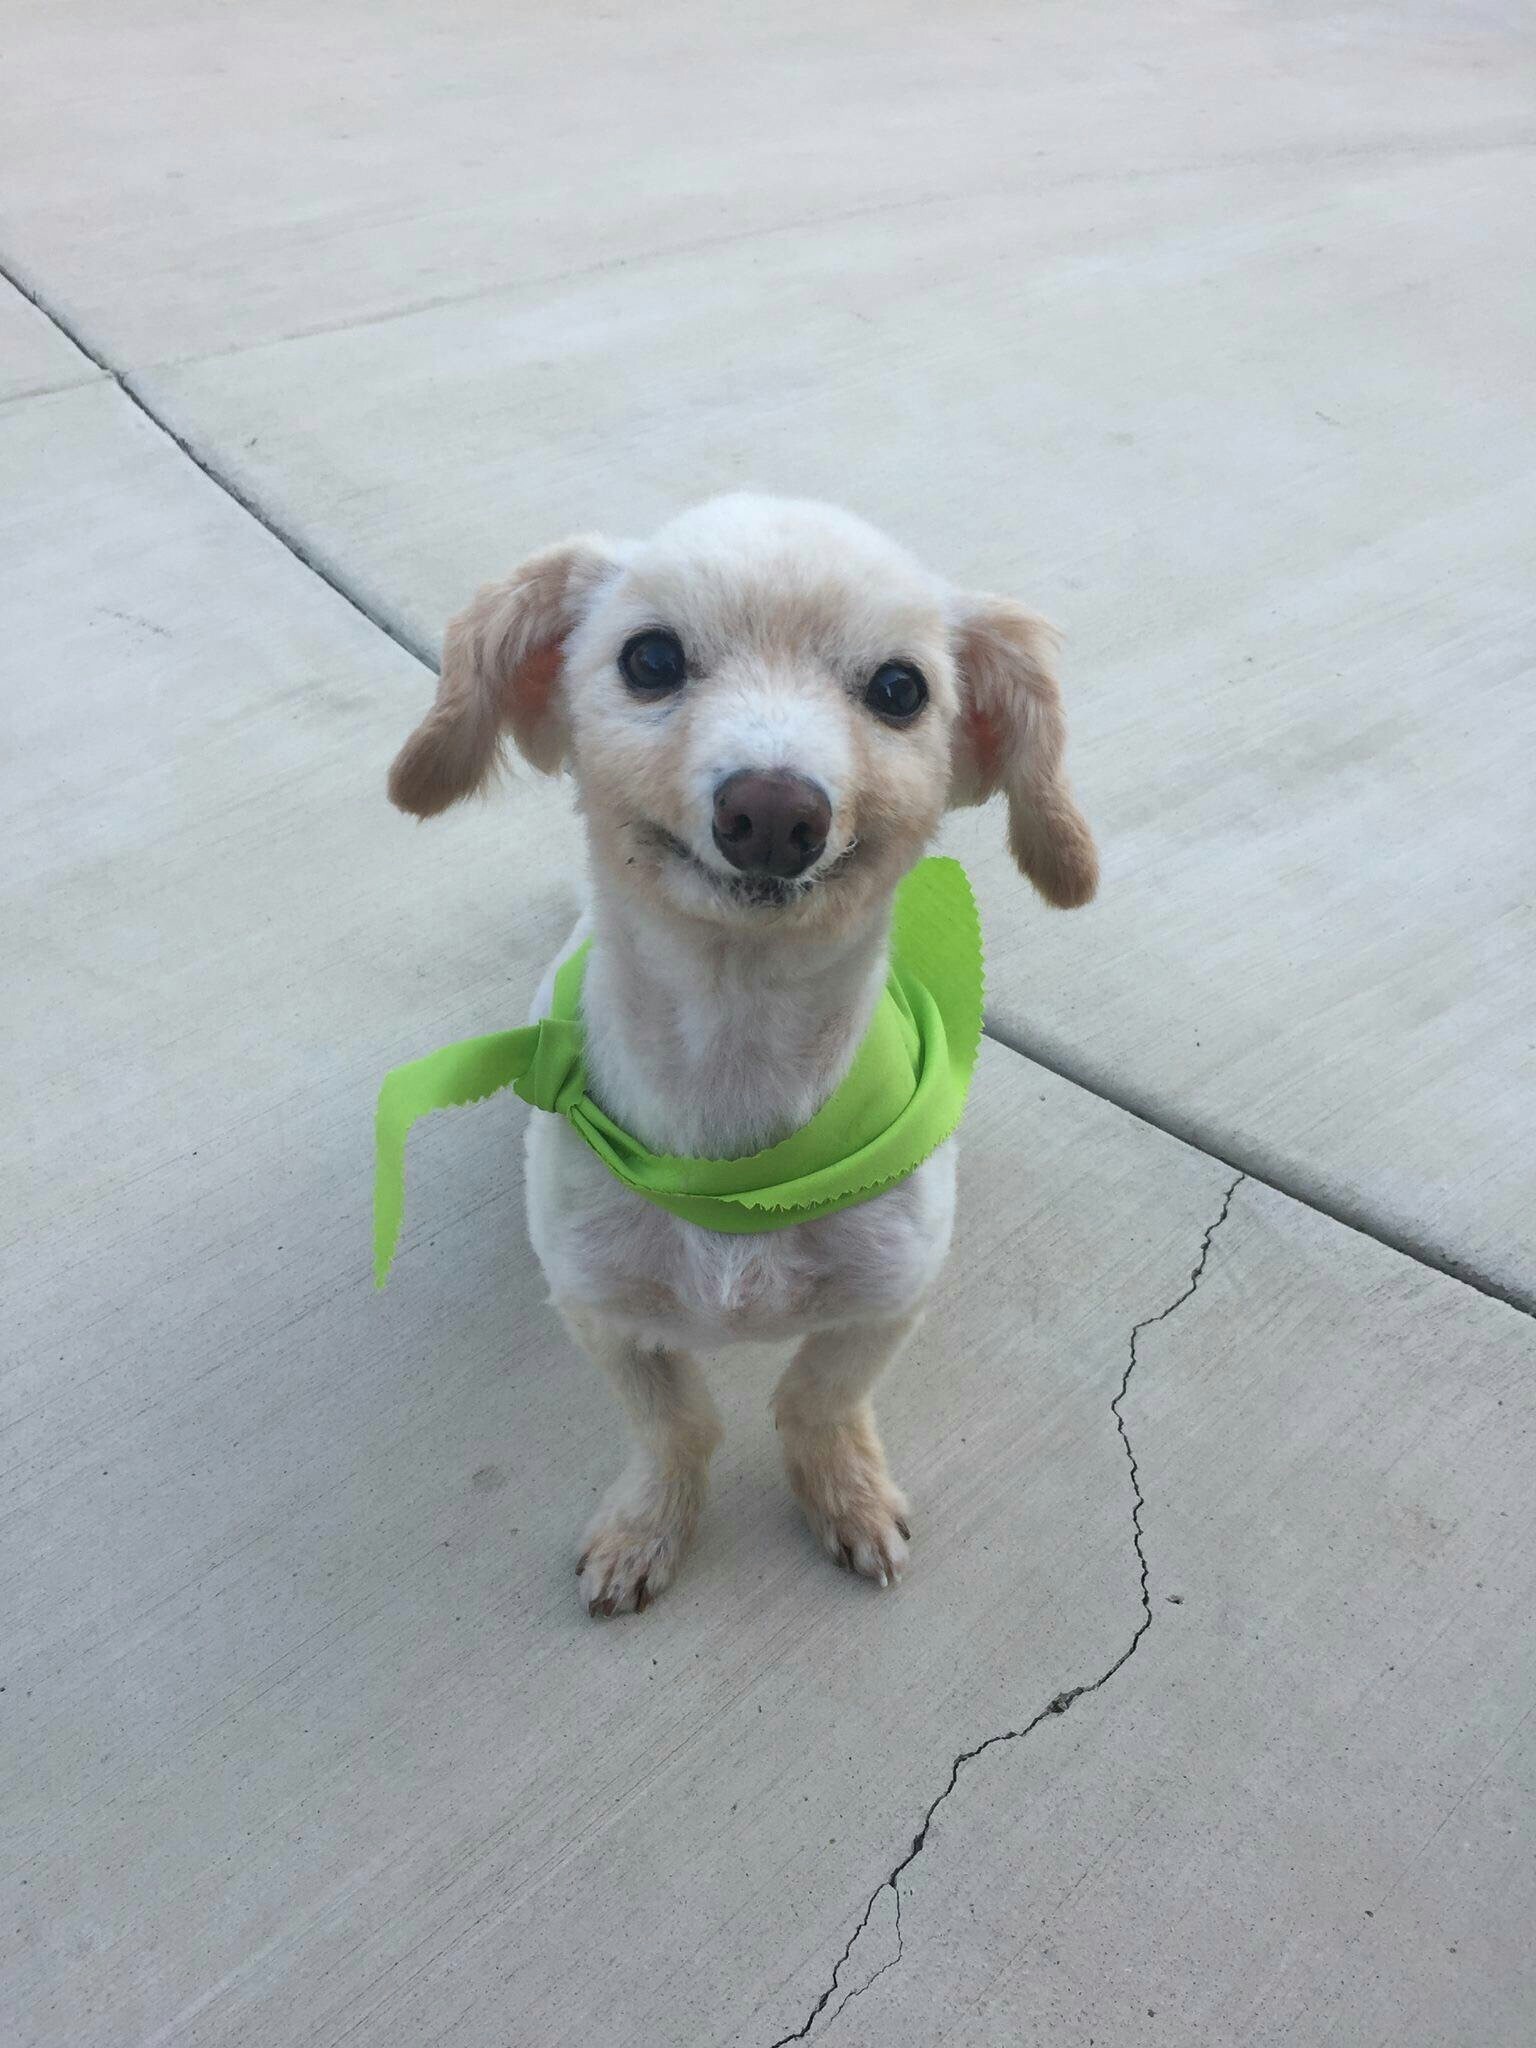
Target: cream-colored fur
720,1017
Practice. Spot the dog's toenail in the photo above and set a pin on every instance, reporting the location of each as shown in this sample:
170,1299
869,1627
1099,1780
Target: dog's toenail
906,1533
642,1597
581,1562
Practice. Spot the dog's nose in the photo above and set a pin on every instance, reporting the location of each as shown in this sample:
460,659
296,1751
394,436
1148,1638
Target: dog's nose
771,824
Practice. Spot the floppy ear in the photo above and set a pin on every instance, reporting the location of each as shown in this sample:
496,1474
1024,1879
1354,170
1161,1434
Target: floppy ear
501,674
1010,737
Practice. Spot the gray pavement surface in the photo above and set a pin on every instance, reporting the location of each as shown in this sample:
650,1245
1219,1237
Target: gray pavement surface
1207,329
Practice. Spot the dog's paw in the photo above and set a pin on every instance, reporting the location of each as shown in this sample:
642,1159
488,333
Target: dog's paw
873,1543
855,1510
624,1567
631,1552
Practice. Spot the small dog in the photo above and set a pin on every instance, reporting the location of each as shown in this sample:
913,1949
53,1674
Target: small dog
766,710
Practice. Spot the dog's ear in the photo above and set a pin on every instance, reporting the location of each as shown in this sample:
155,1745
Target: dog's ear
1010,737
501,674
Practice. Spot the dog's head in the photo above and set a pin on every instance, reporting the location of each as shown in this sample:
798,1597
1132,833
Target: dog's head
767,709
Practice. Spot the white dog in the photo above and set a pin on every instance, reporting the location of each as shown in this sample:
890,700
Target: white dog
766,711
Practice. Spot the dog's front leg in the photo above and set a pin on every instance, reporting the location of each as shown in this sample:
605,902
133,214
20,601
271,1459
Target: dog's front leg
636,1540
832,1450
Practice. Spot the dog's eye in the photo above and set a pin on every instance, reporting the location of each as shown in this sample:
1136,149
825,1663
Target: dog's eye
653,663
897,692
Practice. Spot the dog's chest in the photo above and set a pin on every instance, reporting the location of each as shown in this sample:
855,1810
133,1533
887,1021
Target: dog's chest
605,1248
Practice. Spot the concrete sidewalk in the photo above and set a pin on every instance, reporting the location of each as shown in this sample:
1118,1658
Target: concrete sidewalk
1209,331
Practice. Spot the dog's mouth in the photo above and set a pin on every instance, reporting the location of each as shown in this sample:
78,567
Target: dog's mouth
750,892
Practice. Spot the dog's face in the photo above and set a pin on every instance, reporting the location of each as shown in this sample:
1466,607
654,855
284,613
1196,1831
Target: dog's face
760,704
766,709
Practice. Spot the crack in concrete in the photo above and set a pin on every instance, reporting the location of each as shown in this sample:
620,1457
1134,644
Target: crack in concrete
890,1962
1063,1700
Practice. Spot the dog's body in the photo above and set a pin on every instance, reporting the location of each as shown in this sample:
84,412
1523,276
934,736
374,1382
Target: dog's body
675,1283
766,710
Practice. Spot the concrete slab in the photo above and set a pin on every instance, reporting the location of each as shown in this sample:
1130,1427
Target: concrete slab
304,1737
289,169
1214,343
34,355
195,738
1313,948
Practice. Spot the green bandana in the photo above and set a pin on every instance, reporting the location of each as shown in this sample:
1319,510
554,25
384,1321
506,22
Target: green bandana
900,1100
